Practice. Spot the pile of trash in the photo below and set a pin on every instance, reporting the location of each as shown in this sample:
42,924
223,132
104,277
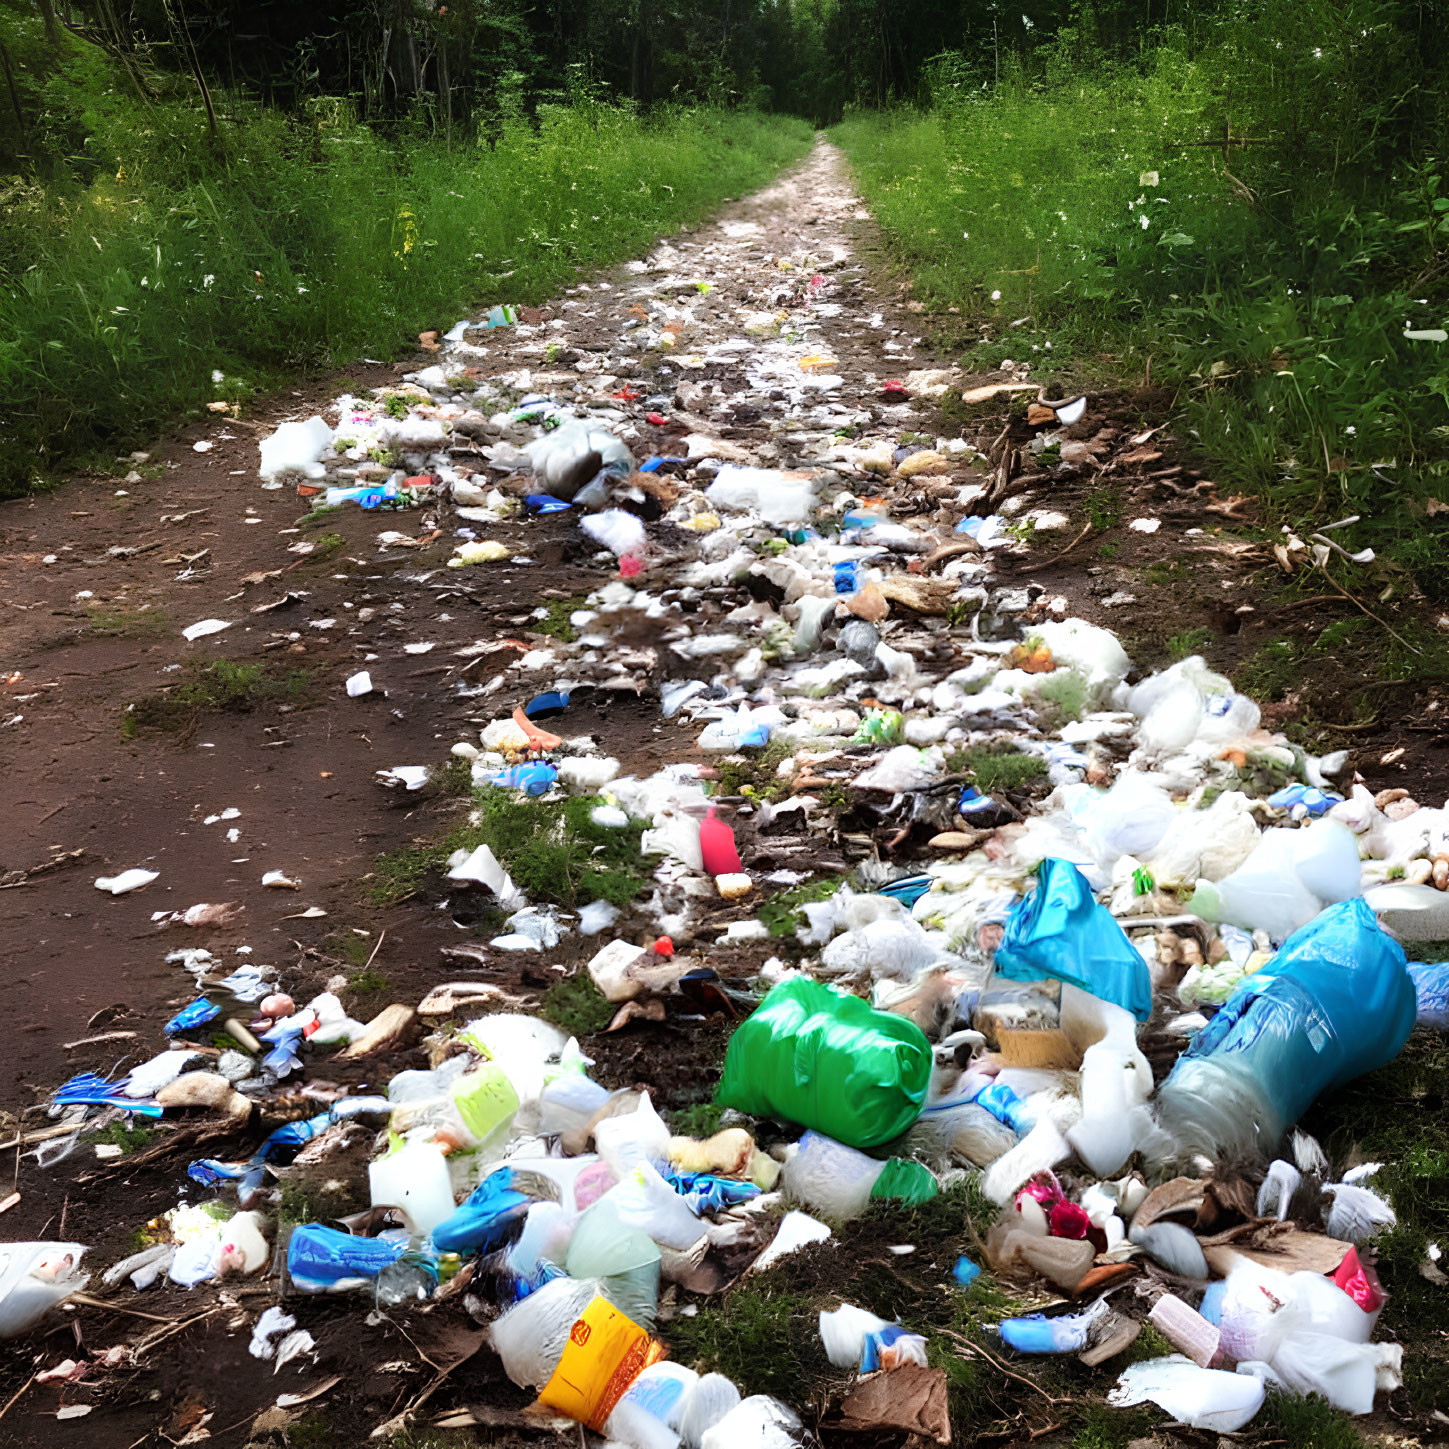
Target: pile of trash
1090,941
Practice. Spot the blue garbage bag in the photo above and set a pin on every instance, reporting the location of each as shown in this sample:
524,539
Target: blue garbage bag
1335,1002
1431,986
1060,933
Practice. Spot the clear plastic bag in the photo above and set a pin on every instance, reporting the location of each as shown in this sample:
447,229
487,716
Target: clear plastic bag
530,1338
829,1177
34,1277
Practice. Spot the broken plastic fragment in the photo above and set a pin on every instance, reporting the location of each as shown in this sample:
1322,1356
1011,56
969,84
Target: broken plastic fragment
128,880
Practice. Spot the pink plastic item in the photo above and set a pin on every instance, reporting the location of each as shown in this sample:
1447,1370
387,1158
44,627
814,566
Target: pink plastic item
1068,1220
1360,1282
717,846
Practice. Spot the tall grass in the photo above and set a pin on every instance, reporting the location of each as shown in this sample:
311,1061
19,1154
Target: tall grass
1273,296
156,259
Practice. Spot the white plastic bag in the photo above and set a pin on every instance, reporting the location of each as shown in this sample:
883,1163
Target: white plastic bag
829,1177
530,1338
34,1277
1198,1397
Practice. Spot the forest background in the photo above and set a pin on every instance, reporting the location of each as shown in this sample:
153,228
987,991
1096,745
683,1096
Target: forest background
1236,206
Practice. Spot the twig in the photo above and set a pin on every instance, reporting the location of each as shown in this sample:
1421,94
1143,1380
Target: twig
16,1395
1323,569
376,948
1000,1367
1057,558
89,1302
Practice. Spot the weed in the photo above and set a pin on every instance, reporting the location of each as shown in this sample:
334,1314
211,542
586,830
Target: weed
1064,691
295,1204
313,1432
551,848
455,778
1104,506
1268,674
765,1340
554,620
130,1136
325,546
395,405
997,767
577,1006
368,982
1109,549
699,1120
755,776
319,515
115,623
221,687
1189,642
782,913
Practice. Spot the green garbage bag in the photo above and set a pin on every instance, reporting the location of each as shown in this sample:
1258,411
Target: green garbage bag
828,1060
905,1180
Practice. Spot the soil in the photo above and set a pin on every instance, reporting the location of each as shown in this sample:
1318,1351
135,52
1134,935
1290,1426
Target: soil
103,575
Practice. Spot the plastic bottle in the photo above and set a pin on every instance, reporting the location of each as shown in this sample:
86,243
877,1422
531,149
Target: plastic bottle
1063,1333
1335,1002
415,1180
624,1259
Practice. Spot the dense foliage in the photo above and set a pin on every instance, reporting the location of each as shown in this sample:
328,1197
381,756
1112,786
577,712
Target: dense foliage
148,267
1246,204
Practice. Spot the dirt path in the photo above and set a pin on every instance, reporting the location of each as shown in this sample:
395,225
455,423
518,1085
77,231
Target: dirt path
104,575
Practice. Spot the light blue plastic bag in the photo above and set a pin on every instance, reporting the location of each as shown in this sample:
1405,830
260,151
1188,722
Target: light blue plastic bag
1431,985
1335,1002
1060,933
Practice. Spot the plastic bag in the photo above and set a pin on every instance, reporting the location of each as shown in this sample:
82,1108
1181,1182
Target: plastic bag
1286,881
712,1399
1198,1397
1431,987
829,1177
758,1422
415,1180
570,456
324,1260
603,1353
817,1056
493,1211
531,1336
1060,932
643,1200
34,1277
624,1259
651,1411
1335,1002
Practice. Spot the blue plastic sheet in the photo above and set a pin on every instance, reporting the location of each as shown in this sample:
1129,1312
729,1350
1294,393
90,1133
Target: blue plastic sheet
90,1090
1060,933
1431,987
321,1259
1335,1002
197,1014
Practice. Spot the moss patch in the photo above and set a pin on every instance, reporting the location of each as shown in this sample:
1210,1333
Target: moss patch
782,913
221,687
997,767
577,1006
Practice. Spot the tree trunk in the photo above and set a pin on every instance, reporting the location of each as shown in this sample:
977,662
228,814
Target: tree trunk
14,94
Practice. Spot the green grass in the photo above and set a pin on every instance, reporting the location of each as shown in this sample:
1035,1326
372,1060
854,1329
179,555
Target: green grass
1269,296
120,623
1288,1419
997,767
151,256
551,848
368,982
1189,642
577,1006
782,913
318,516
555,621
220,687
699,1120
130,1136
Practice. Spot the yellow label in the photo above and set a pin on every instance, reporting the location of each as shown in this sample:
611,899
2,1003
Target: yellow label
606,1352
